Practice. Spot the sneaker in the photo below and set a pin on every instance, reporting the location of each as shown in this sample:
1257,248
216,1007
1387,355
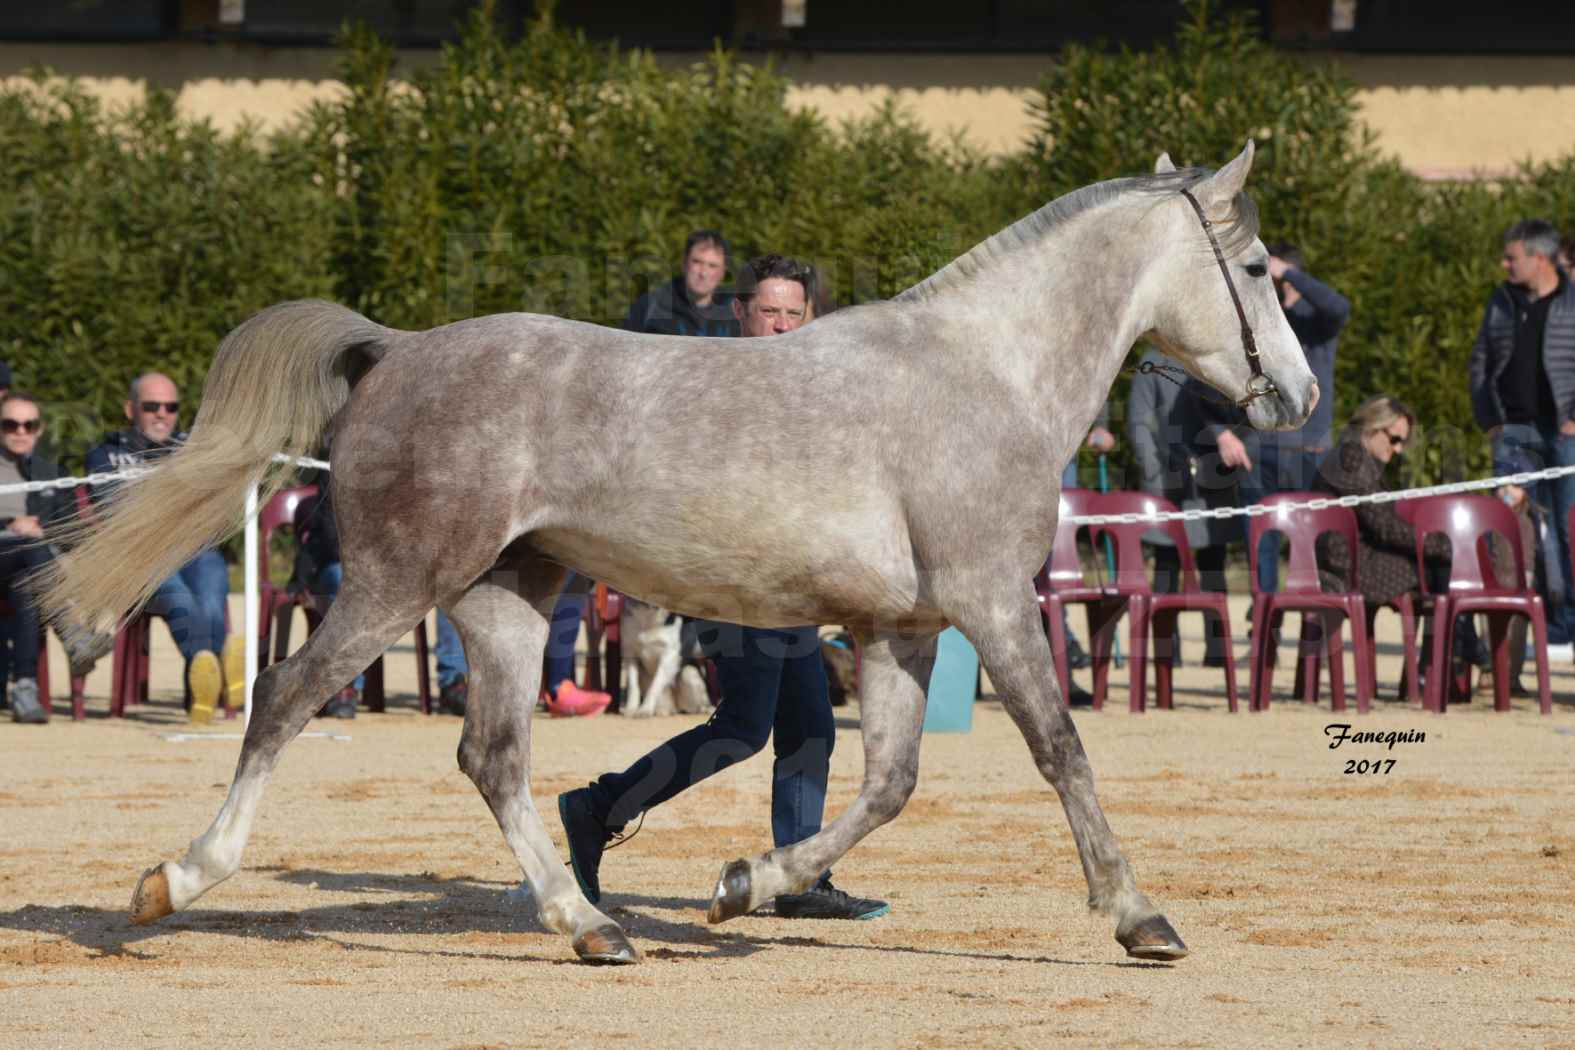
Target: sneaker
571,701
343,704
588,836
1079,697
1077,657
205,679
451,698
234,660
825,901
84,647
25,707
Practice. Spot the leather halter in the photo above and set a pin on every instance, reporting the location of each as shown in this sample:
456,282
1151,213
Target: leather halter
1258,385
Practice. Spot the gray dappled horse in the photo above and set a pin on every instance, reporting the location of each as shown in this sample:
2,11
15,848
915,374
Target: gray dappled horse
892,467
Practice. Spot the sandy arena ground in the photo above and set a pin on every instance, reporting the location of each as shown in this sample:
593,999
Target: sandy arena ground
1428,906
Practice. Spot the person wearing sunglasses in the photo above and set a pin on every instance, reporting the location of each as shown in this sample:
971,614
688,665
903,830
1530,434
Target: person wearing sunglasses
191,602
1381,429
23,518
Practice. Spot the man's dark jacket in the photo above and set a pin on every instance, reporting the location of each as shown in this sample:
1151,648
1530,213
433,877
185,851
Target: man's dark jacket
666,310
126,448
1495,346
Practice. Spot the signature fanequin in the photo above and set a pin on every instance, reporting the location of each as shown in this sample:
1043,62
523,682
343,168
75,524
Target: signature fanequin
1340,733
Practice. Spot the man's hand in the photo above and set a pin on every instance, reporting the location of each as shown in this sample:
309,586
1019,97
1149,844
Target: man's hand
1232,452
1102,440
1567,427
28,525
1278,267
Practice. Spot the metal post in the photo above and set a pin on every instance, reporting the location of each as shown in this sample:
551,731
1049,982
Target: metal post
249,613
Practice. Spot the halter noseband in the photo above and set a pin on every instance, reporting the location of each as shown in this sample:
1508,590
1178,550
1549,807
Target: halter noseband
1258,385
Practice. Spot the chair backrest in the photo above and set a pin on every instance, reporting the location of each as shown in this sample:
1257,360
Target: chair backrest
278,512
1301,526
1131,574
1064,569
1468,519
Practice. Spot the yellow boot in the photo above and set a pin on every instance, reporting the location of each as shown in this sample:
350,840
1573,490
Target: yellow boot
235,672
205,679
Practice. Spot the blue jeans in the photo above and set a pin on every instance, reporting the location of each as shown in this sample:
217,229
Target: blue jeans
192,604
450,653
773,685
325,588
563,632
1526,446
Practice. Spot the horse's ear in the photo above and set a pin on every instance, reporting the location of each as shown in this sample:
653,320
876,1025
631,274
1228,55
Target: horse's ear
1224,184
1163,165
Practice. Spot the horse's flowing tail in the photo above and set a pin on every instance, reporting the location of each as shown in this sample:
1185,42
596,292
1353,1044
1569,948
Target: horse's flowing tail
276,382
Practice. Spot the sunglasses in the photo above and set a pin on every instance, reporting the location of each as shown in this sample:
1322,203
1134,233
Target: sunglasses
1395,440
12,426
151,407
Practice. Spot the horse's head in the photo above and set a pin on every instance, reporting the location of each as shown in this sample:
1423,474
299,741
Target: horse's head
1200,322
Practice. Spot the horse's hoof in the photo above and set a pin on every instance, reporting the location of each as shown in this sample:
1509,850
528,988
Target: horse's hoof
732,893
606,946
150,901
1153,939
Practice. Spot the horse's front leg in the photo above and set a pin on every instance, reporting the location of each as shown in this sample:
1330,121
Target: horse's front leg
1005,629
503,620
896,672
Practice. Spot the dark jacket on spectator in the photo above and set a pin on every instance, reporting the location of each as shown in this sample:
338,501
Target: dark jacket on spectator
1316,318
1387,541
666,310
1495,346
126,448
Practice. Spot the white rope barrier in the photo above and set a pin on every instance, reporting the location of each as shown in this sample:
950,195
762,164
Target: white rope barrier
252,584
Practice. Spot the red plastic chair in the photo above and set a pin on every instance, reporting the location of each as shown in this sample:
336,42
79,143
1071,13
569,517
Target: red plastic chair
1468,520
1060,583
1301,591
1148,611
276,607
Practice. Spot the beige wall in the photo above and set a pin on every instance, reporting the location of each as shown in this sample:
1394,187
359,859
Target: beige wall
1442,116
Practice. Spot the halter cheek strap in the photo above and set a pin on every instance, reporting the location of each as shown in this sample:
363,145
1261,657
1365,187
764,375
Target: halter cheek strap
1259,385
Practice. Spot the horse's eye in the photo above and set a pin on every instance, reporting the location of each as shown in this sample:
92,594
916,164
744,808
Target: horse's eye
1256,269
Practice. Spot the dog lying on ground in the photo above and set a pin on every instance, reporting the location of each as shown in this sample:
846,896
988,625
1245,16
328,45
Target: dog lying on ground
660,679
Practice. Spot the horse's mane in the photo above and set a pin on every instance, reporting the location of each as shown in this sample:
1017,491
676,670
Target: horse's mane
1235,231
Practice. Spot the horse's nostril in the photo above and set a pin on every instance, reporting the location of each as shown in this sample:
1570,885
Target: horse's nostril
1312,397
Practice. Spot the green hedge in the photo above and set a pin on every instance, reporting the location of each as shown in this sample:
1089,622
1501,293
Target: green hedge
548,173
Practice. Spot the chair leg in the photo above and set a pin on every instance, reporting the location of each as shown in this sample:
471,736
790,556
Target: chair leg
1137,661
1539,625
1230,657
1103,617
1334,645
372,692
1163,627
423,669
1262,655
1364,654
1309,660
1413,659
1435,697
1498,642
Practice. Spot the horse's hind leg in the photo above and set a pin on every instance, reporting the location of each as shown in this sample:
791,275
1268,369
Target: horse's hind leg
503,620
356,630
1019,663
895,674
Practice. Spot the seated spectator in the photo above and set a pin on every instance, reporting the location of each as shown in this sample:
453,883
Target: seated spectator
23,518
192,602
1378,431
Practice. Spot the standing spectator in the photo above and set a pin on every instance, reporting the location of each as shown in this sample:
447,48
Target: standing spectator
773,685
1522,376
1218,448
23,518
694,302
192,602
1288,460
1164,463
